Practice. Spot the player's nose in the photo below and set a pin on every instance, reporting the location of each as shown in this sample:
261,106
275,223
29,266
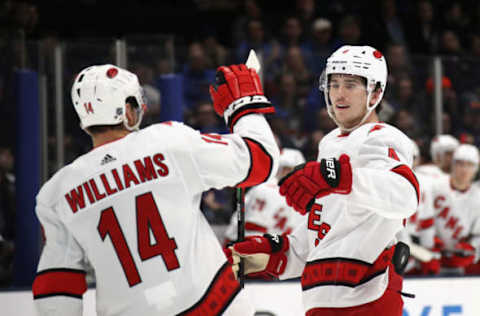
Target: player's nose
340,98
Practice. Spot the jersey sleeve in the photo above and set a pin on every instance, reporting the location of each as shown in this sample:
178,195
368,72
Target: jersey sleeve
245,158
60,281
383,181
426,220
475,236
297,252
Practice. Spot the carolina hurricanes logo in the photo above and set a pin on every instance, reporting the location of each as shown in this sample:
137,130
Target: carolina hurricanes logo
112,72
377,54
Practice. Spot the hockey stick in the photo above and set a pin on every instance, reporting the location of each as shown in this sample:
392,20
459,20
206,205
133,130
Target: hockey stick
252,62
421,253
240,205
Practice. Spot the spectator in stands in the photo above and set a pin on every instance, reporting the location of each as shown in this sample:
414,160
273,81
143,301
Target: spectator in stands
215,51
402,96
289,104
349,31
399,63
306,13
268,50
315,101
205,120
470,106
279,124
405,122
450,105
292,33
197,75
295,64
387,27
319,45
310,148
450,44
250,11
403,93
455,19
421,30
468,66
463,72
286,98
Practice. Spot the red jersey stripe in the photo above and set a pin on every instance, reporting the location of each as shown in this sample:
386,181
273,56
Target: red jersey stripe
408,174
261,164
67,282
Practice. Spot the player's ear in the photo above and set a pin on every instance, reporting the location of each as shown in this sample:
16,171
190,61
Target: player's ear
131,114
375,95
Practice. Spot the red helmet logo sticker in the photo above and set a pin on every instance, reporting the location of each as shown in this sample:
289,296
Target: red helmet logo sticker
345,51
377,54
112,72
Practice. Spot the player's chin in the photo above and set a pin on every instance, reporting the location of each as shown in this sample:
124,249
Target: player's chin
343,116
347,121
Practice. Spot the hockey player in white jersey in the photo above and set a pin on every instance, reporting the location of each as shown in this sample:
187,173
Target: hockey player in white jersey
354,197
420,229
130,206
441,151
457,216
265,209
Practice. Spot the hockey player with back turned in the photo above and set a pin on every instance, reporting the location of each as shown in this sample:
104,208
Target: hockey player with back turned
354,198
130,206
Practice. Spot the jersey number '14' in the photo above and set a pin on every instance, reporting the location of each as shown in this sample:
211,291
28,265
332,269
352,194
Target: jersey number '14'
148,219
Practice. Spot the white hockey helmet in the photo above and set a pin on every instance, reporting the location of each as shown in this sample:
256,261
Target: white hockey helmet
290,157
467,152
364,61
99,95
441,144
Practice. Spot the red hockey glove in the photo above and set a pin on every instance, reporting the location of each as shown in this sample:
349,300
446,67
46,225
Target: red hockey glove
463,256
314,180
228,253
237,92
263,257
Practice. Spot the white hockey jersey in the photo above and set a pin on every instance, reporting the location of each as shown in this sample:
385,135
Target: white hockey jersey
457,215
420,225
266,211
131,208
336,249
431,170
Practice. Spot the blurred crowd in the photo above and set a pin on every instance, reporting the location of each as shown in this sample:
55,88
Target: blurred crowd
293,46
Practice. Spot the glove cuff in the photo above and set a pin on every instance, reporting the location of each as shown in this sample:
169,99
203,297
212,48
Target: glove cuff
331,171
337,173
277,243
244,106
